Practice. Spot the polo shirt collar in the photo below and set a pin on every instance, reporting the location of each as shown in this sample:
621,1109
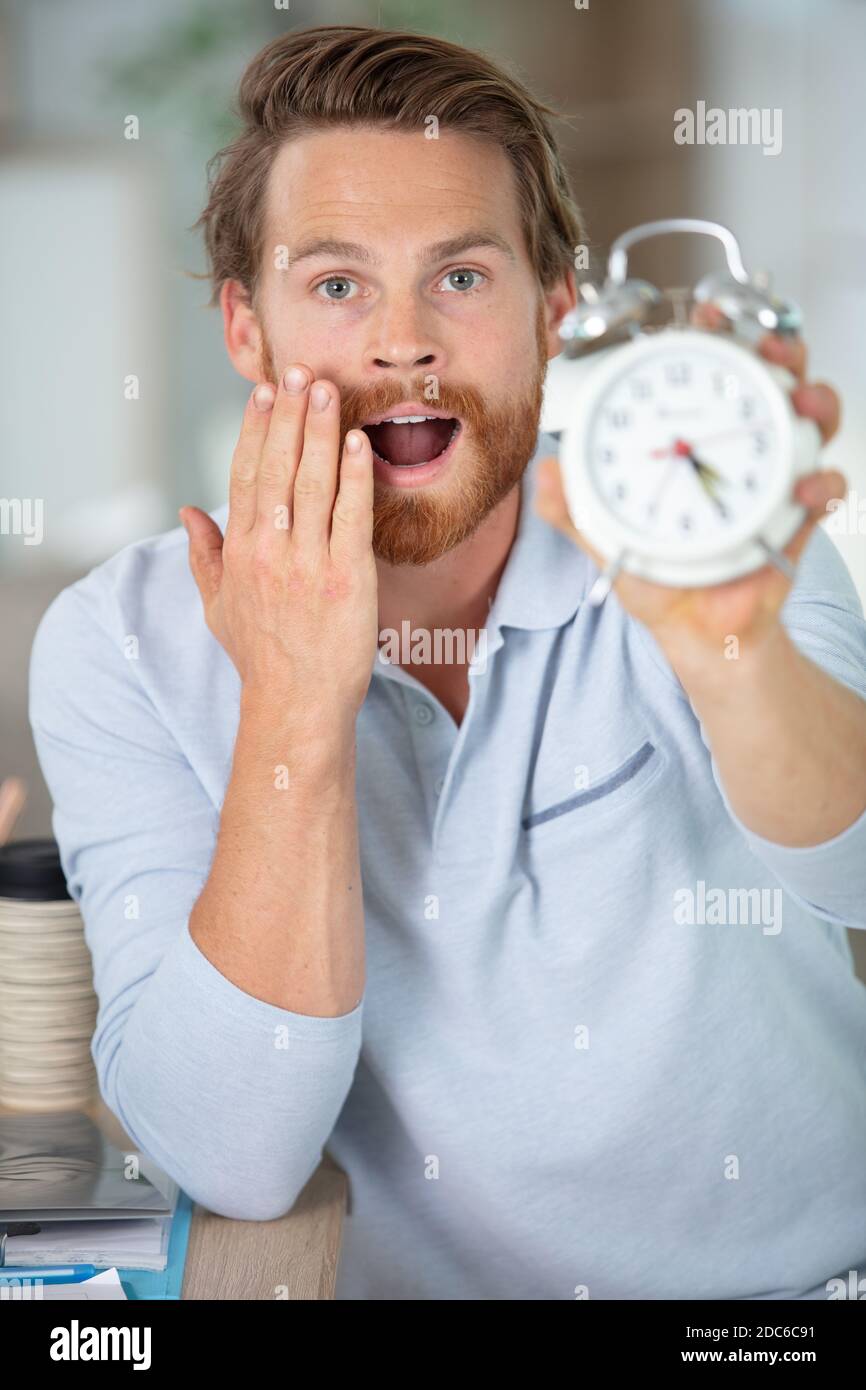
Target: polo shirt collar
545,579
546,576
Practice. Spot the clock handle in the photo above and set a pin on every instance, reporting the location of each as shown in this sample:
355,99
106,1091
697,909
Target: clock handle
625,305
617,265
735,293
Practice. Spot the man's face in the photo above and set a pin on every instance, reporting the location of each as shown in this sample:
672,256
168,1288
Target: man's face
405,279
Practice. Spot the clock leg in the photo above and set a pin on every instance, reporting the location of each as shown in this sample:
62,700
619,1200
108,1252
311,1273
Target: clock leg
775,557
604,583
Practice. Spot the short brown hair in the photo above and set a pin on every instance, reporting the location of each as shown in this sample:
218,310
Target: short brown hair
345,75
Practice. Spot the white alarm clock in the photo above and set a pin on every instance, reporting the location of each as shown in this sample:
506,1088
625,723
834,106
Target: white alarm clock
679,447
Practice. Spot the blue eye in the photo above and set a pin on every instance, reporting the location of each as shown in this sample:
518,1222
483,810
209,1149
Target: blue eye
341,286
460,280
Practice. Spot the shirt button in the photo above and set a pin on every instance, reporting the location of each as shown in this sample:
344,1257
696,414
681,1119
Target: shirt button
438,785
423,714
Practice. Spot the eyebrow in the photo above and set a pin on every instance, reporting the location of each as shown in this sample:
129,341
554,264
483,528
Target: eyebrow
439,251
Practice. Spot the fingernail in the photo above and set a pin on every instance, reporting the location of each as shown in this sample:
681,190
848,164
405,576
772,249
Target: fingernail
353,442
295,381
320,395
263,397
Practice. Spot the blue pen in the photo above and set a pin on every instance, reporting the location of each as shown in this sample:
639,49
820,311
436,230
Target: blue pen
50,1274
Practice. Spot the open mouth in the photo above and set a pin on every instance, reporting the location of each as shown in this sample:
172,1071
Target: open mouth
409,441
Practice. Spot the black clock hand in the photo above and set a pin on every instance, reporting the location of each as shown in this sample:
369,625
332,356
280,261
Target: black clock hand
708,477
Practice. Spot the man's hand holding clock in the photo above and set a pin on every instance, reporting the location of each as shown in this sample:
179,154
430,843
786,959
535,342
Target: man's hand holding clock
789,741
700,620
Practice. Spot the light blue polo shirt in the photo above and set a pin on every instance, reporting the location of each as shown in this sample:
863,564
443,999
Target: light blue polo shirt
611,1043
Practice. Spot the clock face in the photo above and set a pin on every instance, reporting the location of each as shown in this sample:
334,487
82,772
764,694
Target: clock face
683,445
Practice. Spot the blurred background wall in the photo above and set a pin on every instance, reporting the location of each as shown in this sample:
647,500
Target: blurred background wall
118,403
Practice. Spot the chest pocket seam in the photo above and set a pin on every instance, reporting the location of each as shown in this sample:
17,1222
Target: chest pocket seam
618,778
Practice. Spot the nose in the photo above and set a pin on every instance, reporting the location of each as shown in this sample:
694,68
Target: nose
400,342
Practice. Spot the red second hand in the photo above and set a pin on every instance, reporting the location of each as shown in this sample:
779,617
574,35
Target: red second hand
680,447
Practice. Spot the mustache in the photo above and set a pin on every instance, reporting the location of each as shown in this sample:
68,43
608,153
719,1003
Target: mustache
358,403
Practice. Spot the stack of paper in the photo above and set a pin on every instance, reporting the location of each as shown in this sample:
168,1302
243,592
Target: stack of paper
68,1196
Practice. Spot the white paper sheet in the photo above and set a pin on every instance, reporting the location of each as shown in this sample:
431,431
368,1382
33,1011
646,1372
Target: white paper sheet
105,1285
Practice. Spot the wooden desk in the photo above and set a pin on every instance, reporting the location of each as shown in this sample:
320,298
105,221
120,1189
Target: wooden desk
293,1257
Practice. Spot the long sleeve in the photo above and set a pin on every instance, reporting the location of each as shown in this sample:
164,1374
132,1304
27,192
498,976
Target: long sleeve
232,1096
824,618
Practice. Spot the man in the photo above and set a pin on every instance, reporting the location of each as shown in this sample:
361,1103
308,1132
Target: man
429,914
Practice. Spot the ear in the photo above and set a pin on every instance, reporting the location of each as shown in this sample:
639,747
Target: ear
241,330
557,303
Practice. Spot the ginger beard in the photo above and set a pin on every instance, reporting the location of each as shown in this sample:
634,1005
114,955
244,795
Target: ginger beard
418,525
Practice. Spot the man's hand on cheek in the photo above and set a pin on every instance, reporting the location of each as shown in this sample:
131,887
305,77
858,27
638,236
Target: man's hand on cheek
687,621
290,592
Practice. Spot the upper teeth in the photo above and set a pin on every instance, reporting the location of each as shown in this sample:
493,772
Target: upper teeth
408,419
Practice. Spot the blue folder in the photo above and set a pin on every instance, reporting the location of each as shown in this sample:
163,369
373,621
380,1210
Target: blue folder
166,1283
